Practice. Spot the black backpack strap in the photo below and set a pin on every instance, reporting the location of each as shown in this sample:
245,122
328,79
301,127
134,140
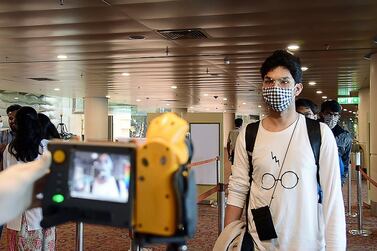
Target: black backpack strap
314,133
250,136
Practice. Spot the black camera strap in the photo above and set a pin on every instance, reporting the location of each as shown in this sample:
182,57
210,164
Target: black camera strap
285,155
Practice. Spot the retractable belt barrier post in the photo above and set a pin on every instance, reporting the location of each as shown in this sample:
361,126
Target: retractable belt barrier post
349,191
220,199
360,231
135,246
219,188
79,236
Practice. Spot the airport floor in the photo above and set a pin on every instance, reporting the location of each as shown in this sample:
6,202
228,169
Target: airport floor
109,238
100,238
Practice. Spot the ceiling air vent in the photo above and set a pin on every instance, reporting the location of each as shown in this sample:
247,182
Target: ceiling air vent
43,79
183,34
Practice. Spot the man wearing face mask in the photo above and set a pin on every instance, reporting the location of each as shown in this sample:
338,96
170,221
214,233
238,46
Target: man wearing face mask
282,199
307,108
330,114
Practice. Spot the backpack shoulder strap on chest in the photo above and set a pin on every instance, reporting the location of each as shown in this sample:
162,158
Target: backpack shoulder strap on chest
314,133
250,136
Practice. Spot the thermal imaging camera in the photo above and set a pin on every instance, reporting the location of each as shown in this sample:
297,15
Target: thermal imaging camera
146,188
91,183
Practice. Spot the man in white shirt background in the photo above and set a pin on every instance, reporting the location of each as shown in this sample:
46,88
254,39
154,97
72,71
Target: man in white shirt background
232,137
284,180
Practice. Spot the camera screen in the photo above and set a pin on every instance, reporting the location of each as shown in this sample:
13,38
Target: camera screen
100,176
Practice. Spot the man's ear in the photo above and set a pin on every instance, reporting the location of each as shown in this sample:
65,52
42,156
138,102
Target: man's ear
298,89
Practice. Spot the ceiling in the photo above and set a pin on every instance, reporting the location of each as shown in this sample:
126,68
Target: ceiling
334,37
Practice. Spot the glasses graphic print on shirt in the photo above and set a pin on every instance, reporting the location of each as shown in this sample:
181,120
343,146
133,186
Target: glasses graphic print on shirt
288,179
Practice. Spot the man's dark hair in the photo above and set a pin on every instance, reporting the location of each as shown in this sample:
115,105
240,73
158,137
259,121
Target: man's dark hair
13,108
331,105
304,102
238,122
286,60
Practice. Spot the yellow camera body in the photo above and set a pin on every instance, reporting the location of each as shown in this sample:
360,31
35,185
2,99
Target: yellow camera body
157,162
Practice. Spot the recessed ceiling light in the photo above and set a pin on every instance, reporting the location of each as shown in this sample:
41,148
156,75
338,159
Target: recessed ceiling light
225,99
191,107
62,57
56,89
324,97
293,47
354,112
138,100
304,68
244,103
205,94
312,83
125,74
350,111
173,87
318,92
262,115
259,106
224,111
167,104
16,98
345,109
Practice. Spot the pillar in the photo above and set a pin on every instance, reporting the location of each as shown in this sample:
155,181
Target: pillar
96,116
363,127
373,132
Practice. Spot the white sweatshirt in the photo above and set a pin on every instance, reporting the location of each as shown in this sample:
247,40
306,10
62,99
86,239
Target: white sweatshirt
300,222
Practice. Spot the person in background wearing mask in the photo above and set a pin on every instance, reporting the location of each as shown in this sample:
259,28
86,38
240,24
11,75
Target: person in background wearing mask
284,183
232,137
330,114
307,108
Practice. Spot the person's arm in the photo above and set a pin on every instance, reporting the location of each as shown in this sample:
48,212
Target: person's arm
16,186
228,145
232,213
347,154
333,207
238,182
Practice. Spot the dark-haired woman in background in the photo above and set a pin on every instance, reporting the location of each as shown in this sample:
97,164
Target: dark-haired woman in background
49,131
25,232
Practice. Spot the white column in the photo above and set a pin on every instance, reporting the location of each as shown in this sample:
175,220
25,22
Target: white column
373,132
96,120
363,123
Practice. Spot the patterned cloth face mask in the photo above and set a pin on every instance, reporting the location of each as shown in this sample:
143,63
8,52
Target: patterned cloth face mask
278,98
331,120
